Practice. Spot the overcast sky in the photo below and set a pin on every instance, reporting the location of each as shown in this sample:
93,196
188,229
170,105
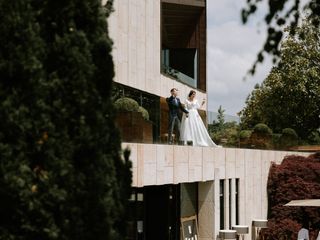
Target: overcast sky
232,48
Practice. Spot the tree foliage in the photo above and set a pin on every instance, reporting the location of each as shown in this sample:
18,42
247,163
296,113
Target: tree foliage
221,115
281,13
61,175
222,132
227,135
290,95
295,178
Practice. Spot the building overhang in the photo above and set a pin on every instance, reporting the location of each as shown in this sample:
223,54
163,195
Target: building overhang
197,3
178,22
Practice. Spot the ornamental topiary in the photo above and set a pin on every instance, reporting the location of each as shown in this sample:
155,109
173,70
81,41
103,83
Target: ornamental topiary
130,105
288,138
144,112
276,140
262,129
261,137
245,134
126,104
289,132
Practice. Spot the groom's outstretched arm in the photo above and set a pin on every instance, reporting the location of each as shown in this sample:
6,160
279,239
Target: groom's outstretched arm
182,108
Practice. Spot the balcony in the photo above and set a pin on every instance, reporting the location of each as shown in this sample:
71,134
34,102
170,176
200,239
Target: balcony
157,164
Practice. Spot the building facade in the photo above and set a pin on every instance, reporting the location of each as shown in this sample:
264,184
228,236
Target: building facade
160,45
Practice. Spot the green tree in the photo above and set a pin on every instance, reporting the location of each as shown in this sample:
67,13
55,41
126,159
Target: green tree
219,124
226,133
61,174
251,114
220,116
281,13
289,96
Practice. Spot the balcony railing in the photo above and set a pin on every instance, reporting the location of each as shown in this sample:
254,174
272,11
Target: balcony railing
179,76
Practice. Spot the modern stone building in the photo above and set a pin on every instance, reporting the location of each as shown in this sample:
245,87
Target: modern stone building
158,45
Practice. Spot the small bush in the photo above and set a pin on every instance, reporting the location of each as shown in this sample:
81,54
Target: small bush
126,104
314,138
245,134
144,112
276,140
288,137
262,129
245,138
289,132
261,137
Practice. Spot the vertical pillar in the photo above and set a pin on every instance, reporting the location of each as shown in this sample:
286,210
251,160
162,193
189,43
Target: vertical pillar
206,215
226,204
216,202
233,202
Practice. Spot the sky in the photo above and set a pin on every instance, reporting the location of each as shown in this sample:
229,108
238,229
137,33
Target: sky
231,50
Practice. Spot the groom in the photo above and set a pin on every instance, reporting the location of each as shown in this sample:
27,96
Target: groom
174,105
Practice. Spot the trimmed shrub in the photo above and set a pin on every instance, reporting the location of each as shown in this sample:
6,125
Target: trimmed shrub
126,104
289,132
261,137
314,137
262,129
144,112
288,137
245,134
245,138
276,140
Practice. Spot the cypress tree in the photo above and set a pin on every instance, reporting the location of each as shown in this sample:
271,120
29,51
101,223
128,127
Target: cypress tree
61,173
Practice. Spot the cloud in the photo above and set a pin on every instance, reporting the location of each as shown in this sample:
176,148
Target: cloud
232,49
223,11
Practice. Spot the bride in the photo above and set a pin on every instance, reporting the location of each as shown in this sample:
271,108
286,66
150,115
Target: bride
192,127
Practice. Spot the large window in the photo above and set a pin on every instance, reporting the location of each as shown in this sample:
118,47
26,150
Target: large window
181,64
183,43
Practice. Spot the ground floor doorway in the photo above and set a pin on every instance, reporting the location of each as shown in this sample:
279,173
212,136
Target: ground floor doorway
155,211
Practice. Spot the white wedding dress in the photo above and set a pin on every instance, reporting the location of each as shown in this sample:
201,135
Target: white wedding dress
192,127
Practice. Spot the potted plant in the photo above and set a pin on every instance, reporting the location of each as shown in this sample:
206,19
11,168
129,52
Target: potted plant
133,121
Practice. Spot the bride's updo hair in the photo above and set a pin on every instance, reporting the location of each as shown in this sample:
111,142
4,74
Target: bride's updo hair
191,92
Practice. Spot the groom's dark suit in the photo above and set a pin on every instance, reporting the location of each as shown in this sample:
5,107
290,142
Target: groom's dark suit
175,106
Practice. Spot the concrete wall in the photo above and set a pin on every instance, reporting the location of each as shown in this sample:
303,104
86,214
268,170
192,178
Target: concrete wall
171,164
134,27
157,164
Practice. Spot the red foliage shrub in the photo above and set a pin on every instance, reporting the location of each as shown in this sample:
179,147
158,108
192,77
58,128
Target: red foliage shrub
295,178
